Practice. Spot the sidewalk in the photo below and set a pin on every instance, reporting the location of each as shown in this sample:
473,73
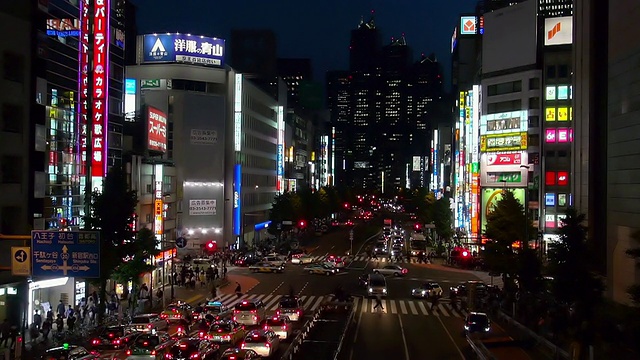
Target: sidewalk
439,264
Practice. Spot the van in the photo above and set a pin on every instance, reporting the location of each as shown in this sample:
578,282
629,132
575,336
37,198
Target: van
249,312
376,285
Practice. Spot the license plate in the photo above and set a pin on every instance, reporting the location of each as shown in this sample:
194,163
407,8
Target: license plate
217,338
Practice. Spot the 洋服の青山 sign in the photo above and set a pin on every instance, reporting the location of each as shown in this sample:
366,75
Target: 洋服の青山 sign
183,48
157,130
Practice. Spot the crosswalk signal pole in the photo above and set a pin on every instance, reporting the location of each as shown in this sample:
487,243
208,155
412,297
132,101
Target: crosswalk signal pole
351,239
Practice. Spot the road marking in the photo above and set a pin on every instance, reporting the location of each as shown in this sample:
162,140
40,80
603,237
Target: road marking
277,287
443,310
364,306
317,303
303,287
307,303
394,309
414,311
273,303
451,338
403,307
332,247
404,339
422,308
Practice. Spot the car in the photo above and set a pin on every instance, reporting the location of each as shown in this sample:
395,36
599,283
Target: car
279,325
337,261
149,346
202,261
69,352
226,331
322,269
381,248
240,354
216,310
113,337
177,313
395,270
193,348
148,323
249,312
264,342
427,290
302,259
376,285
246,260
291,307
477,322
275,259
266,267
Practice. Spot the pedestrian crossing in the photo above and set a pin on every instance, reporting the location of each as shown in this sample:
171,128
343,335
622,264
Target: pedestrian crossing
362,305
381,259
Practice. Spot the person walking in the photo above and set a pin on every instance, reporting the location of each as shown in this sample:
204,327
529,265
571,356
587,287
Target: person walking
434,302
224,271
238,290
378,303
5,331
37,320
46,329
61,309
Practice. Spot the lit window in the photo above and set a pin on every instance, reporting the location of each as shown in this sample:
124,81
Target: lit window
550,199
563,135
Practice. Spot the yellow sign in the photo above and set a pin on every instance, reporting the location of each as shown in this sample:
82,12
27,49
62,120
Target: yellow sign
551,114
157,221
461,105
563,114
571,113
504,142
20,261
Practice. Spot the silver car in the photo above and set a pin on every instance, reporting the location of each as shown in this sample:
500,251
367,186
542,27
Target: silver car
264,342
249,312
150,346
427,290
395,270
302,259
148,323
279,325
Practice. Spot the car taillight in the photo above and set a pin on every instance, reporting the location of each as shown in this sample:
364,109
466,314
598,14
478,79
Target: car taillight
117,342
236,311
149,326
266,327
179,329
153,352
163,316
201,334
284,327
277,312
226,337
168,356
235,318
253,311
298,312
243,345
267,345
128,352
404,271
255,318
95,341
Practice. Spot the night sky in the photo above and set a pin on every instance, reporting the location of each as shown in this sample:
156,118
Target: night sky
312,29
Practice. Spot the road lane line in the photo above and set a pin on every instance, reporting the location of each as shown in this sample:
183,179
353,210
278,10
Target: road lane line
315,306
403,307
277,287
412,306
266,298
355,337
404,339
394,309
451,338
303,287
364,305
422,308
303,299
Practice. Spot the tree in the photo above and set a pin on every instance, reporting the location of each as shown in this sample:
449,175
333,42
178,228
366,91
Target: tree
634,290
139,252
569,263
112,213
505,224
442,218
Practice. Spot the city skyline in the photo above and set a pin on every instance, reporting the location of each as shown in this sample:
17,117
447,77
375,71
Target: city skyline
427,25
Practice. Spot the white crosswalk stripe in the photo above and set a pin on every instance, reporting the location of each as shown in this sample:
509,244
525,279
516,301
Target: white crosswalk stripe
385,259
364,305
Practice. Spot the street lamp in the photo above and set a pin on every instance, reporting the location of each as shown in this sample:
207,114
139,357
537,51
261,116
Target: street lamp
526,204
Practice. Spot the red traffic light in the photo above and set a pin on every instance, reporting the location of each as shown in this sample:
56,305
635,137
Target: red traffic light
211,246
302,224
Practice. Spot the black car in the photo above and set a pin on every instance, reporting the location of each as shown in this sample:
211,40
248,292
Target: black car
69,352
477,322
193,348
113,337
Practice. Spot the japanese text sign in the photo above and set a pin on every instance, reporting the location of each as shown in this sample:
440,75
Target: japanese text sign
157,130
183,48
65,253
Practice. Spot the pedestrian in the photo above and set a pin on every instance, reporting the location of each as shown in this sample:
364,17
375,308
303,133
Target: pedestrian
69,312
378,303
5,331
61,309
434,302
214,292
46,329
59,323
224,271
37,320
238,290
71,322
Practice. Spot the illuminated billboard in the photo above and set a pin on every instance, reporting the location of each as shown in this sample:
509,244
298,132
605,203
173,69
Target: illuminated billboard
280,151
416,163
130,86
490,198
237,114
185,48
156,130
558,31
468,25
503,142
63,27
504,123
237,199
503,169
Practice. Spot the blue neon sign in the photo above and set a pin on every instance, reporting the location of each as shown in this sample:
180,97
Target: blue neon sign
237,198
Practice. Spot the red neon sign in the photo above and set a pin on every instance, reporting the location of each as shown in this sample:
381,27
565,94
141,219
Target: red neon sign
504,159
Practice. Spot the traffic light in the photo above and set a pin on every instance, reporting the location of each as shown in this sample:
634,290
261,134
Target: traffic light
211,246
302,224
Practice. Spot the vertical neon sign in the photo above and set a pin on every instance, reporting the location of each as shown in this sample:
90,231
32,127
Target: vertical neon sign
237,198
83,62
237,114
280,152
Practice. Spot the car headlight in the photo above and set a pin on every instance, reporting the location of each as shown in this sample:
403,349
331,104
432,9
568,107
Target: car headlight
424,292
487,328
466,327
384,290
370,289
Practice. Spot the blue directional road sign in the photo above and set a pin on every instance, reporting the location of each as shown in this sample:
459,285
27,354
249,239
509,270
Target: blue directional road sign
65,253
181,242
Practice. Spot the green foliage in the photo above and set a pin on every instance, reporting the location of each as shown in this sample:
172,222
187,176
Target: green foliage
529,270
442,218
569,263
422,201
139,251
634,290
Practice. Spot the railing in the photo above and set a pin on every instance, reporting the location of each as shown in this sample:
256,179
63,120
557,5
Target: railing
541,344
481,351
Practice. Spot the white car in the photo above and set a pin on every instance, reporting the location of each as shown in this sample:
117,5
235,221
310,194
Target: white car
395,270
301,260
427,290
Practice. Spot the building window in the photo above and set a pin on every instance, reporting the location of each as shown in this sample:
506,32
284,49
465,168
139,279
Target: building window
11,169
12,118
13,65
563,71
551,72
534,103
149,188
534,84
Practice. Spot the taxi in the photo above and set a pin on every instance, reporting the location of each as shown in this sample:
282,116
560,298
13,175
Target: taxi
70,352
226,331
150,346
175,313
267,267
291,307
322,269
279,325
216,309
264,342
239,354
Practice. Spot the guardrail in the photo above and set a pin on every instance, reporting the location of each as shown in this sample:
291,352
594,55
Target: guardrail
481,351
303,335
544,346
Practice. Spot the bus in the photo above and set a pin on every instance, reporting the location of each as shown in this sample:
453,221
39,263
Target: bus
418,244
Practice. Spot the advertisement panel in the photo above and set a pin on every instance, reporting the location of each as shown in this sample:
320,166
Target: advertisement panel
558,31
203,137
130,99
502,169
63,27
156,130
503,142
99,81
200,207
237,112
237,203
415,163
490,198
186,48
504,123
280,151
468,25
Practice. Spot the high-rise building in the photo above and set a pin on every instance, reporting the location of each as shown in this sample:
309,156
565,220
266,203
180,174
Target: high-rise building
377,107
295,73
